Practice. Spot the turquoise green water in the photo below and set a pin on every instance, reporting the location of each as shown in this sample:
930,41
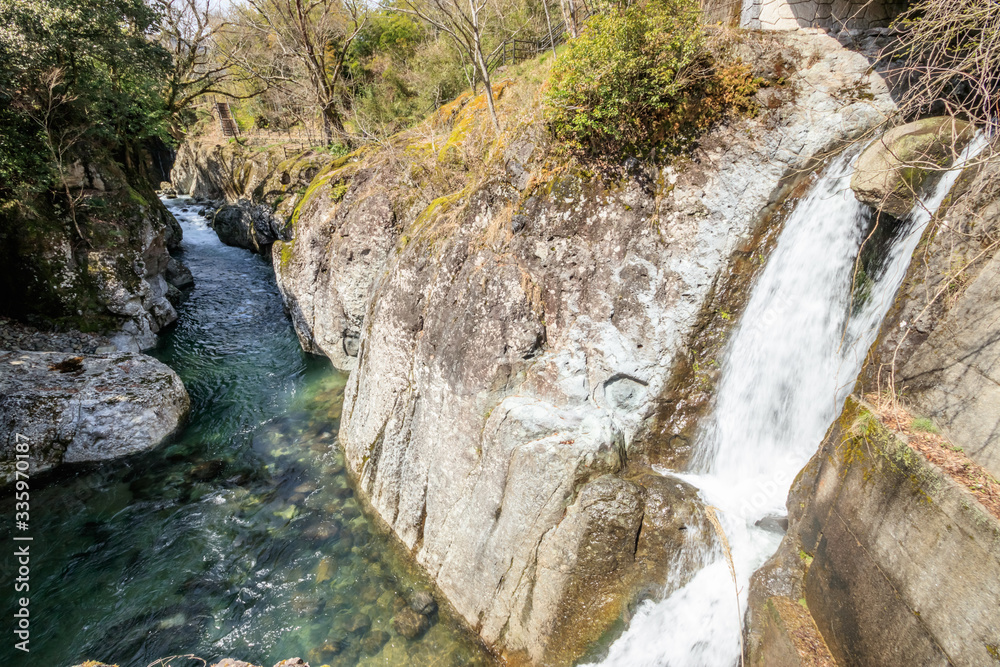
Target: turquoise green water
240,538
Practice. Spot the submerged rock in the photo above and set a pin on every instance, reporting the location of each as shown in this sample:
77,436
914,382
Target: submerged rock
206,470
374,641
898,167
423,602
84,408
179,275
410,624
358,624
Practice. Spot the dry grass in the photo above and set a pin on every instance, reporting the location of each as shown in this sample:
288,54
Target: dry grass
935,448
801,628
713,518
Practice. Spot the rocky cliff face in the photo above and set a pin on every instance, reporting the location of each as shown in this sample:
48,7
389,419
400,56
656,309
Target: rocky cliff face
511,323
939,344
106,271
513,316
263,188
891,554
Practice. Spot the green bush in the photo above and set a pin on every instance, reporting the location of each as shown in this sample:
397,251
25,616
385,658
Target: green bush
643,77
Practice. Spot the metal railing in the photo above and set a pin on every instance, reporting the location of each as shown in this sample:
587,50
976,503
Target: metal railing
226,121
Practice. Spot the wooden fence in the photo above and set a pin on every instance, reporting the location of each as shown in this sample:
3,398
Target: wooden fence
513,51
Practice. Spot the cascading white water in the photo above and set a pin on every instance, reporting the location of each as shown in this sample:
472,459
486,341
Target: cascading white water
788,369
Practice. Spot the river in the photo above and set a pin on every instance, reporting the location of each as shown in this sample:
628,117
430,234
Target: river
242,536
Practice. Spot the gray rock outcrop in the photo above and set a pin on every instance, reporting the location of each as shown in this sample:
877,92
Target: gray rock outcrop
901,165
84,408
896,562
939,343
104,270
507,342
179,275
225,171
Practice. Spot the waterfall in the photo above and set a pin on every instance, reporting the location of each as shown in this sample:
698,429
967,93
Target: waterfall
789,366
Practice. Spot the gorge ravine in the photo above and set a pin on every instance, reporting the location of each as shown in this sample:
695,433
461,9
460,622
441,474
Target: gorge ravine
509,342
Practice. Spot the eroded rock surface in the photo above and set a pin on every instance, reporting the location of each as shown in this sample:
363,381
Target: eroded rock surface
71,409
895,562
940,343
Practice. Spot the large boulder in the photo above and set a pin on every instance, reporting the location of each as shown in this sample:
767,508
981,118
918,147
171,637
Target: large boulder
179,275
901,165
250,226
86,408
167,189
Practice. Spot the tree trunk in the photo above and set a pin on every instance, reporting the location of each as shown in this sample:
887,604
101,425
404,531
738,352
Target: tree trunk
569,16
333,124
481,61
548,22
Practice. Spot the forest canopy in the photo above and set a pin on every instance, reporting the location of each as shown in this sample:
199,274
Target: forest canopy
109,73
75,72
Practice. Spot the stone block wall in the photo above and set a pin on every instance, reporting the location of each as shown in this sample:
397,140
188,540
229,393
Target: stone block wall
726,12
830,14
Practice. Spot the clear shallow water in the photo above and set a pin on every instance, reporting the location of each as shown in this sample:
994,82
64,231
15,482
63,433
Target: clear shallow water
790,364
242,537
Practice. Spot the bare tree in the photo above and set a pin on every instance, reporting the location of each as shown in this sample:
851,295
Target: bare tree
466,22
190,30
309,41
949,53
548,25
569,16
58,137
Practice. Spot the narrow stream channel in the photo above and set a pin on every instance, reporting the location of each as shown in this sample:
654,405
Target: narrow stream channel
241,537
